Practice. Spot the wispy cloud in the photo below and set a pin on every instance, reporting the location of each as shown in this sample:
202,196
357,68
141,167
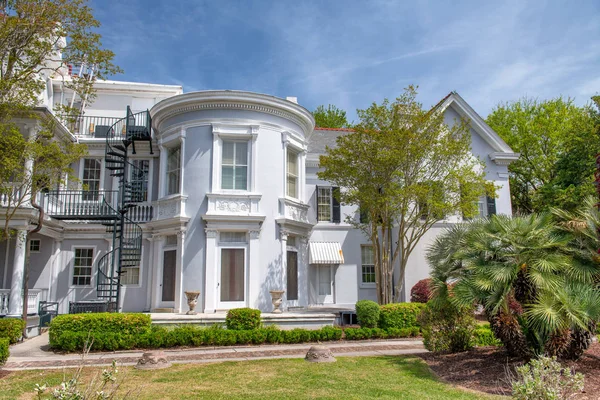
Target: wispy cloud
356,52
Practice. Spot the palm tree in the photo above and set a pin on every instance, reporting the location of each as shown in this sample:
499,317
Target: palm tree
532,274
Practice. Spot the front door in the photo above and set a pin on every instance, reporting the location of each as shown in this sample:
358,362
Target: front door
168,278
231,290
325,284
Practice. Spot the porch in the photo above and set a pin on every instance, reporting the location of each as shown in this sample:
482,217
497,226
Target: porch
306,318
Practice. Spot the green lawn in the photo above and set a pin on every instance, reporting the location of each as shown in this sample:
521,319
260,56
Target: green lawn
349,378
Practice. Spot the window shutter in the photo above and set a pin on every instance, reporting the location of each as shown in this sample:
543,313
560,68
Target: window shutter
335,204
317,201
364,215
491,206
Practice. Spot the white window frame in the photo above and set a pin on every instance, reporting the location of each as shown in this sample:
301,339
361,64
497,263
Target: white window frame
291,151
330,188
236,133
362,282
39,245
179,169
81,173
72,267
234,164
149,176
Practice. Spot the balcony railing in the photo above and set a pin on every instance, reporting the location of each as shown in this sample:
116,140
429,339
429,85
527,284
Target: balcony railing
34,296
82,204
140,213
89,126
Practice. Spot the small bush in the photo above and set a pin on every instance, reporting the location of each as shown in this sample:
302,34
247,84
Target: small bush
483,336
447,329
243,319
545,379
421,292
400,315
378,333
3,350
367,313
11,328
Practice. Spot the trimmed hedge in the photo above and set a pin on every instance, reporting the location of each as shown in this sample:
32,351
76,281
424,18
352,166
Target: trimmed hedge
400,315
241,319
110,331
367,313
378,333
3,350
12,329
161,337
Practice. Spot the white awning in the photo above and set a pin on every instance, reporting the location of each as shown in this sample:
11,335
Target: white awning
325,253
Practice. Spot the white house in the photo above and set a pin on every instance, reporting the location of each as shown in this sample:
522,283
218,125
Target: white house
222,197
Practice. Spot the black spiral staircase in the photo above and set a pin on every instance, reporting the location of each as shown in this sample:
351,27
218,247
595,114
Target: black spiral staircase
110,208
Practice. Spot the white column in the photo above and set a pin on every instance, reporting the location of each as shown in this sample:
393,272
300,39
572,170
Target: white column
15,301
303,282
254,269
156,289
210,284
179,272
283,284
148,269
54,268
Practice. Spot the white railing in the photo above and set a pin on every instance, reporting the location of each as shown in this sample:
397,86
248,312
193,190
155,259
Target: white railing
34,296
4,294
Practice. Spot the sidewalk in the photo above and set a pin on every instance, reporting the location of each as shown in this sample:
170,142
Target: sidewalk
35,353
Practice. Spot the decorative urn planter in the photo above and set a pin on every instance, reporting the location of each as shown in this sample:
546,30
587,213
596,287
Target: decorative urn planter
192,300
277,299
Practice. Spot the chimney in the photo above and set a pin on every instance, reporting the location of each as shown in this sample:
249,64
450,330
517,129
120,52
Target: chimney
292,99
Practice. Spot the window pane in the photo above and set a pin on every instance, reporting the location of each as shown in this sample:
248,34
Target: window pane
139,177
324,281
241,153
228,148
324,204
82,267
131,276
91,178
292,163
368,265
232,275
241,175
291,187
227,177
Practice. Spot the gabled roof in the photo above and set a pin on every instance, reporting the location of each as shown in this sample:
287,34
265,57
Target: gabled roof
458,104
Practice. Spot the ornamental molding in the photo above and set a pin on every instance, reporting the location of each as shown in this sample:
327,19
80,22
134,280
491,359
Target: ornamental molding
233,204
504,159
232,100
294,210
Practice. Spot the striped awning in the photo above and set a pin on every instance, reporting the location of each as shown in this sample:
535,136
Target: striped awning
325,253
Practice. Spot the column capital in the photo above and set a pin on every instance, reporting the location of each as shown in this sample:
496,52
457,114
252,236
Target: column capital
211,233
254,234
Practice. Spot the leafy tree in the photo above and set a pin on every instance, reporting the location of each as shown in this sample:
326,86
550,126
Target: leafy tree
40,39
534,275
557,142
406,169
330,117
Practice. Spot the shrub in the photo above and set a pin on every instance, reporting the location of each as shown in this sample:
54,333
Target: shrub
11,328
421,292
446,328
483,336
242,319
400,315
3,350
545,379
367,313
378,333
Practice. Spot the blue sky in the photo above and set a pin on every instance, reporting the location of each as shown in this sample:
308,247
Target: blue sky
351,53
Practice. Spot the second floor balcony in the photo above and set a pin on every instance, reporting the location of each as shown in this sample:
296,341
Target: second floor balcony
90,126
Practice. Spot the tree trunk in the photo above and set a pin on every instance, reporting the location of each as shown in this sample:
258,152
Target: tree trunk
27,262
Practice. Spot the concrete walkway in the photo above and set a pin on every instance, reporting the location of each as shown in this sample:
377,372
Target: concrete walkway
35,353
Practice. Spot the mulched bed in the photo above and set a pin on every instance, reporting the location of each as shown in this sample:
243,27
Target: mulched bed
485,370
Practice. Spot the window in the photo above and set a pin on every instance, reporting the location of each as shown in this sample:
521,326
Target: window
232,237
292,174
130,276
173,170
431,200
139,178
82,267
234,166
34,245
368,264
92,168
328,206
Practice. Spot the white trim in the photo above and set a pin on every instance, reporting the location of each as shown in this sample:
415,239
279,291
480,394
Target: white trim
71,264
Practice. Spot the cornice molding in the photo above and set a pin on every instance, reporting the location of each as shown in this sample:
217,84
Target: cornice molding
233,100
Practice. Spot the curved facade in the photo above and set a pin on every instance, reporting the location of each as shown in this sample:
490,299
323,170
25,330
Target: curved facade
231,185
